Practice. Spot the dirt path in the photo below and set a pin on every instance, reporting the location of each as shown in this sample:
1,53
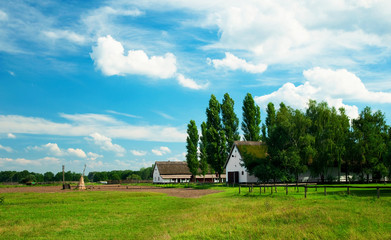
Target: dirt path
177,192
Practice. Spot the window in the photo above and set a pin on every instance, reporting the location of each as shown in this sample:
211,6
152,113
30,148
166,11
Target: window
242,172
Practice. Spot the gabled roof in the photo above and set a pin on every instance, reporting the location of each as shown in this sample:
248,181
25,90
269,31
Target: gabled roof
173,168
257,149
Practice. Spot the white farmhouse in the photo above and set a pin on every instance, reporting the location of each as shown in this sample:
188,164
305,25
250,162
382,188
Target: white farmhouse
235,171
178,172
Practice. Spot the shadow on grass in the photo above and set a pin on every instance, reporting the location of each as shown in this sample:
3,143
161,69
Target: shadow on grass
356,192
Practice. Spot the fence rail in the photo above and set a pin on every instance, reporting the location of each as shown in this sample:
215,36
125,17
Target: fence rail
306,186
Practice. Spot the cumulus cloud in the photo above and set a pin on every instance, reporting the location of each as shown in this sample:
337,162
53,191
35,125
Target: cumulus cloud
138,153
234,63
332,86
109,57
10,135
93,156
106,144
76,152
161,151
7,149
54,149
190,83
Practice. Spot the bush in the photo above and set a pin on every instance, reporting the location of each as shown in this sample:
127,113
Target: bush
2,200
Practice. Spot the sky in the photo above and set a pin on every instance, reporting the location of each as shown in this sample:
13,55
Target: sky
113,84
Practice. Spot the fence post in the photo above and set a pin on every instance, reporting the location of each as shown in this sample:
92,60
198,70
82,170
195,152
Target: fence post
378,192
264,188
348,190
271,188
287,189
305,191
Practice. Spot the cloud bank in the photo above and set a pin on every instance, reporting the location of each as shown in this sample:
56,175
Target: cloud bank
332,86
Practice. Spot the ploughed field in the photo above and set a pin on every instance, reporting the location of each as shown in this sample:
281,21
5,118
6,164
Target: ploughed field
149,212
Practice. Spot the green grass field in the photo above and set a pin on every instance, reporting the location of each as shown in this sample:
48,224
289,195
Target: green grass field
225,215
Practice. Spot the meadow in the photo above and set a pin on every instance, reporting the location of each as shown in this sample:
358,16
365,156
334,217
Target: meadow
224,215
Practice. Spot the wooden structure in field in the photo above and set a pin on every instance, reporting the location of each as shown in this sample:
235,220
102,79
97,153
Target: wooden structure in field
81,185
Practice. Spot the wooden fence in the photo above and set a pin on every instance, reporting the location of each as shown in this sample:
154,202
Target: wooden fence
306,187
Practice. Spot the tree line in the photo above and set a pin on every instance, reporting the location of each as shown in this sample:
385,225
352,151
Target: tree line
26,176
209,150
317,139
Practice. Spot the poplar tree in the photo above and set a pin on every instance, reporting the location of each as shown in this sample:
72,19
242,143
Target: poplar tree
251,119
192,144
230,122
215,136
203,156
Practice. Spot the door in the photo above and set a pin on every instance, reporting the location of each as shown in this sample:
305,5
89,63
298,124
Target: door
233,177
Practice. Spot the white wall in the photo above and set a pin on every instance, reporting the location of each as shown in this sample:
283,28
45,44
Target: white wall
234,165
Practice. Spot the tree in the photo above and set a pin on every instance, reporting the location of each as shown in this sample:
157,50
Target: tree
48,176
203,155
251,119
230,122
191,146
371,132
215,137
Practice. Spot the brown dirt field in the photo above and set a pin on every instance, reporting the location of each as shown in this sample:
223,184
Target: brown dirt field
176,192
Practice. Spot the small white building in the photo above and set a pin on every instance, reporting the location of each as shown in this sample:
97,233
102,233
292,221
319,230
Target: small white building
235,170
178,172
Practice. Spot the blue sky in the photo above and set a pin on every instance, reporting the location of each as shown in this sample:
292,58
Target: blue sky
113,84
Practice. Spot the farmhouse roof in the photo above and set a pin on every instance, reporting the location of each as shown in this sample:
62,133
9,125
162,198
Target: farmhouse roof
173,168
257,149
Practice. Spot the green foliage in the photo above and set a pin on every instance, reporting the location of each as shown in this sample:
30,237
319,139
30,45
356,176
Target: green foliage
370,134
230,122
203,154
215,137
191,146
251,119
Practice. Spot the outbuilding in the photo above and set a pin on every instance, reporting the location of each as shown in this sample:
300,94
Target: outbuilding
236,172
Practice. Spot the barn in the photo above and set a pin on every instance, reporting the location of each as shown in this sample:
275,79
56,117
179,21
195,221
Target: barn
178,172
235,171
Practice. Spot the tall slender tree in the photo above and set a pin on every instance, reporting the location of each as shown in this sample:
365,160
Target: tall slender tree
191,145
215,135
251,119
230,122
203,155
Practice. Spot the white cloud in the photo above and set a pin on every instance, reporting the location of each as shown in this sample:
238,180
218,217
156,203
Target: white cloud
234,63
23,161
65,34
85,124
332,86
93,156
343,84
10,135
138,153
190,83
161,151
109,57
54,149
77,152
7,149
3,16
106,144
123,114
